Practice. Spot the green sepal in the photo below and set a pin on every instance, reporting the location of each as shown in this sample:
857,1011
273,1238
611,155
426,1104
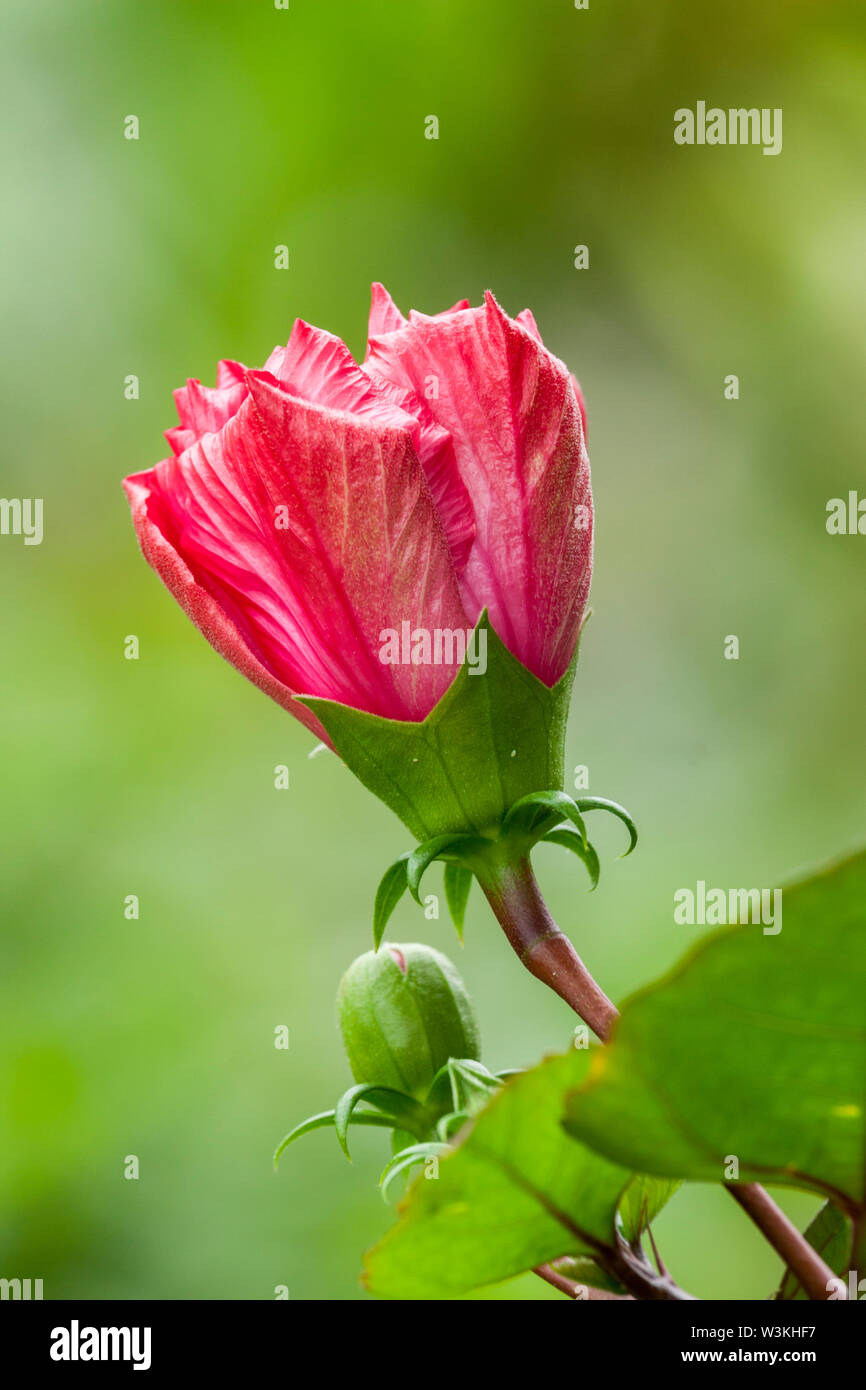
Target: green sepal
461,1084
399,1107
458,882
325,1121
569,839
537,816
491,739
450,1124
533,815
401,1139
407,1158
392,886
601,803
454,846
472,1084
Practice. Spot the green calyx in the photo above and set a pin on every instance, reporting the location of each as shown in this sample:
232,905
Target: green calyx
478,782
552,817
420,1130
496,735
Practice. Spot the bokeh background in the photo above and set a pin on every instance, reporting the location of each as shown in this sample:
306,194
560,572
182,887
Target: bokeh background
155,777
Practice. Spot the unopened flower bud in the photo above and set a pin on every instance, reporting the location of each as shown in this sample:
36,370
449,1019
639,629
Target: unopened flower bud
404,1011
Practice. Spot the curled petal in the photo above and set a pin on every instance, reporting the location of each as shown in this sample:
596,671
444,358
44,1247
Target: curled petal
513,414
293,538
385,317
527,319
151,517
319,367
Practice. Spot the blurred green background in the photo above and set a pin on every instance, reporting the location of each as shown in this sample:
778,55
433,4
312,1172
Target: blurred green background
155,777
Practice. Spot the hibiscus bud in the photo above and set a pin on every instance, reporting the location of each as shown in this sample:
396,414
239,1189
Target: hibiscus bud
404,1011
356,537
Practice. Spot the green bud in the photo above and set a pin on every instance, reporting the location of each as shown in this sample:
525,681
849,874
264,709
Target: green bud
403,1012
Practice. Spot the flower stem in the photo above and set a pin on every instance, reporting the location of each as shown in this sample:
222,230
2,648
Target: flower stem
545,950
543,947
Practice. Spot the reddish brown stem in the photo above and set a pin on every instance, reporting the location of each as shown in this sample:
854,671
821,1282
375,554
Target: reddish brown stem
816,1277
571,1289
543,947
546,951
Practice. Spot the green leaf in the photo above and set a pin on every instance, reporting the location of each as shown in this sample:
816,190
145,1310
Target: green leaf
641,1203
517,1192
754,1047
583,1269
393,885
569,839
492,738
412,1116
600,803
458,882
326,1120
830,1234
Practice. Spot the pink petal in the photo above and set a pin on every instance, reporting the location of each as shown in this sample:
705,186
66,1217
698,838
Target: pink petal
205,409
230,373
320,368
581,405
363,551
385,317
527,319
512,412
435,449
151,515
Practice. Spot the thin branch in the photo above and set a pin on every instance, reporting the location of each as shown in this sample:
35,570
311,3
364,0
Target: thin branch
630,1266
858,1246
579,1292
546,951
816,1277
660,1264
